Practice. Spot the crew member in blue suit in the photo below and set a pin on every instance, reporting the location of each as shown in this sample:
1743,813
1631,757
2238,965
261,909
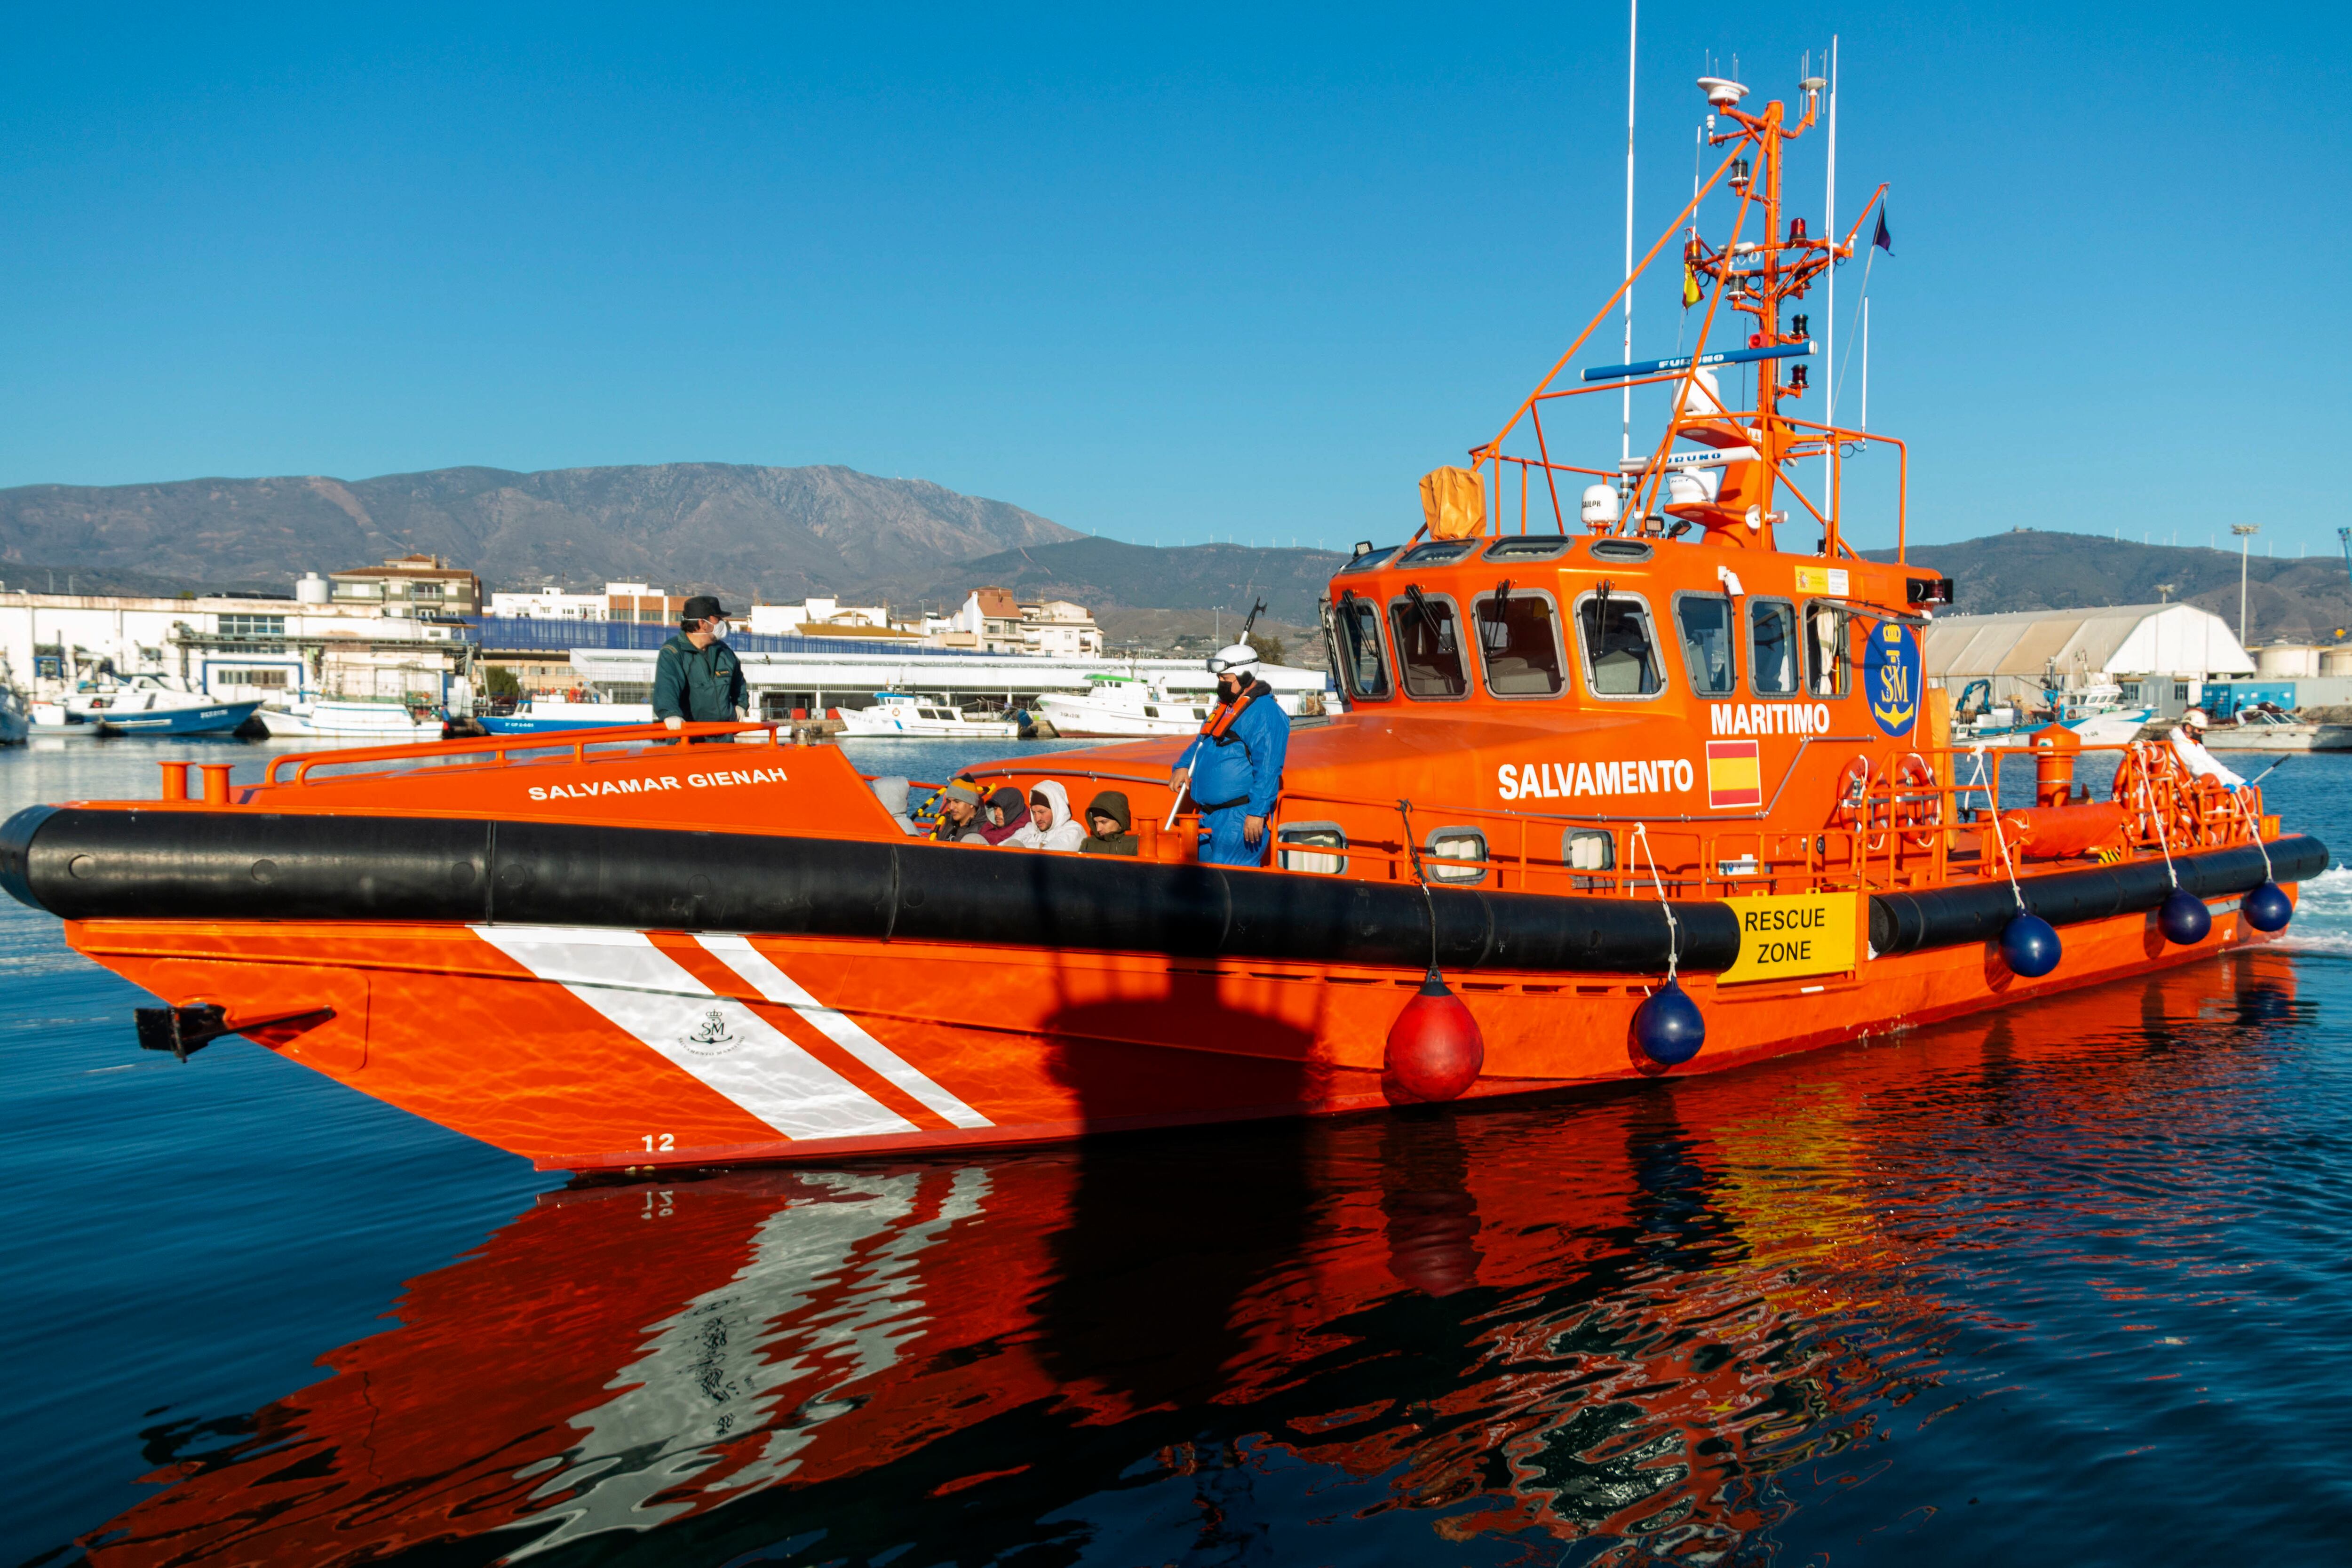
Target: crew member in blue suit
1234,765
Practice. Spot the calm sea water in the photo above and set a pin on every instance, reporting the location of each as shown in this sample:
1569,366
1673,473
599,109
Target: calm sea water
2070,1284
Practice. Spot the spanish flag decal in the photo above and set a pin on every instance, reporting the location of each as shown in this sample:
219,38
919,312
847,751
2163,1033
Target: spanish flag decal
1735,774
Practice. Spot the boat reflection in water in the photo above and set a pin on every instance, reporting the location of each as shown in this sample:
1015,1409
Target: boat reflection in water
1665,1318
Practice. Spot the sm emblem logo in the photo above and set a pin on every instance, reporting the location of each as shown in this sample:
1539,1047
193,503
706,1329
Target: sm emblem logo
1891,678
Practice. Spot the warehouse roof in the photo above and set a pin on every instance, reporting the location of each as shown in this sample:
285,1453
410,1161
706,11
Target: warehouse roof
2086,644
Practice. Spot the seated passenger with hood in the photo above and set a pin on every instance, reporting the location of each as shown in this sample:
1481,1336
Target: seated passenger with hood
1109,821
891,791
1050,825
1005,814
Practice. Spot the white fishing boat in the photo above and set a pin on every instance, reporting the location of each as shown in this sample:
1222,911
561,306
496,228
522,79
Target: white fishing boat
155,705
2267,727
394,723
1124,705
895,713
543,715
2096,713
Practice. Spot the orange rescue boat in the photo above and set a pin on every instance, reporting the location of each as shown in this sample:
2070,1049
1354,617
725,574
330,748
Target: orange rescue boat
1657,793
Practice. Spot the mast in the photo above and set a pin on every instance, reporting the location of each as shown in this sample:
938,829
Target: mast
1829,304
1633,36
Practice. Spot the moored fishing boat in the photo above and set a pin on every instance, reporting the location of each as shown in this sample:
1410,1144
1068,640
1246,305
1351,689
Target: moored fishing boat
1124,705
1657,793
896,715
354,720
542,716
151,705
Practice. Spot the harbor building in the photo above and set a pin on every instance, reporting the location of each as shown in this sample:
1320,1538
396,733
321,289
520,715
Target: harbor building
822,617
821,675
410,585
2162,657
236,646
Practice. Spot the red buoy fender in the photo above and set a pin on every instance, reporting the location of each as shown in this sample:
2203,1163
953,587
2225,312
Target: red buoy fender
1435,1049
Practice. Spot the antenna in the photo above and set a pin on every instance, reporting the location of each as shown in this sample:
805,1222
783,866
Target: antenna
1864,421
1633,36
1829,339
1255,610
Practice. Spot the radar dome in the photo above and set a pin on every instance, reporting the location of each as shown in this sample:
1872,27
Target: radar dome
1600,510
1703,399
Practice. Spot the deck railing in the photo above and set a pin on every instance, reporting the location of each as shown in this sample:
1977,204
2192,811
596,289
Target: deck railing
1925,818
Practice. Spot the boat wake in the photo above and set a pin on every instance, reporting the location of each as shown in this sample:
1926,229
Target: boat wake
2323,916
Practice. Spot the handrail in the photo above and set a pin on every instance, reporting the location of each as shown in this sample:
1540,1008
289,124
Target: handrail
502,749
1875,848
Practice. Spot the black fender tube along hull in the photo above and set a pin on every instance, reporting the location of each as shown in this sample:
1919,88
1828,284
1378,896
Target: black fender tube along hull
88,863
1949,917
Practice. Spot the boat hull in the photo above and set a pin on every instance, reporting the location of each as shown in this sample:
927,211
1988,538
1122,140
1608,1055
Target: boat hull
595,995
861,728
544,717
587,1049
208,719
357,722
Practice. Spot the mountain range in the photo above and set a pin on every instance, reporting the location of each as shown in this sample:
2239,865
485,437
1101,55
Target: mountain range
784,533
781,533
2300,598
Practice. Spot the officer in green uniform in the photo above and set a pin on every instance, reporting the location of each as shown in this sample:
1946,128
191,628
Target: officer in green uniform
697,677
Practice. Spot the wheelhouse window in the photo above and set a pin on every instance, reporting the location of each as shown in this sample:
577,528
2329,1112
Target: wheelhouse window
1587,850
1519,642
1772,648
1620,649
1429,646
1356,627
1709,633
1318,846
1454,855
1828,664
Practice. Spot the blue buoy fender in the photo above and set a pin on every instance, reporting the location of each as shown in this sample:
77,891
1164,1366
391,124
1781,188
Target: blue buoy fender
1669,1028
2029,946
2267,908
2184,918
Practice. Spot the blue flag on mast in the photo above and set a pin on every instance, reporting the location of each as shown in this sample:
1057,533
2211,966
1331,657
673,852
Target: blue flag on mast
1883,240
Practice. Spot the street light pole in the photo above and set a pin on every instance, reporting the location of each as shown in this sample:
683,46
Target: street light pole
2245,533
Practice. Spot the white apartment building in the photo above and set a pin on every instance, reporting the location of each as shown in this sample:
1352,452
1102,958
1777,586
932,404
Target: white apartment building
1060,629
812,617
550,605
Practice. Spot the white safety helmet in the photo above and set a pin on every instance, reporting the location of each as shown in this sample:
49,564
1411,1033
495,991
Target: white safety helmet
1240,660
2195,719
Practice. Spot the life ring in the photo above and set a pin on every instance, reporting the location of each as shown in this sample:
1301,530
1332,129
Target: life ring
2153,788
1917,807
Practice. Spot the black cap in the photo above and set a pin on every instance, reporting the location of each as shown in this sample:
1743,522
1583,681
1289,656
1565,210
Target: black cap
702,607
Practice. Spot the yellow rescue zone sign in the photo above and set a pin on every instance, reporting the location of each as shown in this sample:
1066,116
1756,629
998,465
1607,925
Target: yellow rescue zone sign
1802,934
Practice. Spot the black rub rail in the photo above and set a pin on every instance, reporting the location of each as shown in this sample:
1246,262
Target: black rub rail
236,864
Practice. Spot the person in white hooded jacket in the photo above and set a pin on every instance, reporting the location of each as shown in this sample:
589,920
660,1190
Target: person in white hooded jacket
1051,825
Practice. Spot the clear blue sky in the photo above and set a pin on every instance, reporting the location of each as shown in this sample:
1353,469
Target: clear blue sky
1155,275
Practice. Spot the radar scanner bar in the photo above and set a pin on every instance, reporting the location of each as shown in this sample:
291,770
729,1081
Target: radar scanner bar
1728,356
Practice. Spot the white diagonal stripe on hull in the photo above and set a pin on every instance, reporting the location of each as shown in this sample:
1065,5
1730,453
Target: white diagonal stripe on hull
760,973
721,1041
